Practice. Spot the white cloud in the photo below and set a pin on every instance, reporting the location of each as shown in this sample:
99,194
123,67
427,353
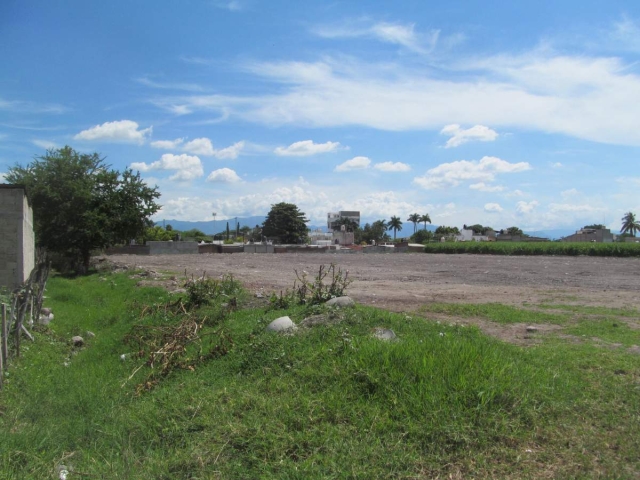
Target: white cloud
20,106
223,175
306,148
167,144
567,207
393,33
120,131
392,167
524,208
452,174
3,177
356,163
516,193
190,87
230,152
492,208
569,193
483,187
556,165
201,146
46,144
460,136
590,98
187,167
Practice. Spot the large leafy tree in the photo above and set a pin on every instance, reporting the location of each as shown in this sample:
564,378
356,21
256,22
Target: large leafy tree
395,224
80,204
630,224
286,222
425,218
414,218
350,225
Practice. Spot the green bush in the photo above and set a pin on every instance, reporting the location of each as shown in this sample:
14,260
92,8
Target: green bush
538,248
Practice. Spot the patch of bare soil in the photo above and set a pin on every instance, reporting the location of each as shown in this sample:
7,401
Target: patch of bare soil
404,282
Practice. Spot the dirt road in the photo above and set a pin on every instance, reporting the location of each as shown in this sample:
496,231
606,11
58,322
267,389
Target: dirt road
403,282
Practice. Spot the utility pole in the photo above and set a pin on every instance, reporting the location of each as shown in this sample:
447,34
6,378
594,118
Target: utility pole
214,224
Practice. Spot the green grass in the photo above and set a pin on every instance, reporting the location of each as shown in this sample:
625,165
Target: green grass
494,312
618,312
538,248
443,401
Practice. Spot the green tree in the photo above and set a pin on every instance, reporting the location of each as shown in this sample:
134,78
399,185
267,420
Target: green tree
630,224
228,232
444,231
422,236
515,231
395,224
425,218
595,226
414,218
286,222
80,204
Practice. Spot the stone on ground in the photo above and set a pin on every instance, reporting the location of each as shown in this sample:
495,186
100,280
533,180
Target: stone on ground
384,334
78,341
281,324
341,302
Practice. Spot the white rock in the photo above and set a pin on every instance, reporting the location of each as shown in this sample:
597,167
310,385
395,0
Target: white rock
45,319
281,324
78,341
90,334
341,302
384,334
532,329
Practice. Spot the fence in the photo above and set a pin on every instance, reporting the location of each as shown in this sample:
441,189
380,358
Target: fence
24,303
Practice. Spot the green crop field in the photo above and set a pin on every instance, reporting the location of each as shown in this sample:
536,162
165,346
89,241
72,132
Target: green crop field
538,248
443,400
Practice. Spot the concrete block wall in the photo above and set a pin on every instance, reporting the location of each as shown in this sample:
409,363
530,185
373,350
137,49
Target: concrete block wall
168,248
17,240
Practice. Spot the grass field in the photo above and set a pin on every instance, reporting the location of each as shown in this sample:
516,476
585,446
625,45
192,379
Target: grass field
443,401
538,248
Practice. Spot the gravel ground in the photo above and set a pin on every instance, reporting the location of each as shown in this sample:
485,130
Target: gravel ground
404,282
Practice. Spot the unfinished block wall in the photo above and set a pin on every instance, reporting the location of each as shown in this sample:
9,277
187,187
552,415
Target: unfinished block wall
17,241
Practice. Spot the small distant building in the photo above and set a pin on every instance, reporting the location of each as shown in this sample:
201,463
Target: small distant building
468,235
598,235
335,217
17,241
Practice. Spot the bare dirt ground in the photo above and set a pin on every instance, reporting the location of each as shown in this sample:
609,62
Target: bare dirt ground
404,282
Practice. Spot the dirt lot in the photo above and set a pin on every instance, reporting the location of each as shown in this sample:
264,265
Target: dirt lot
404,282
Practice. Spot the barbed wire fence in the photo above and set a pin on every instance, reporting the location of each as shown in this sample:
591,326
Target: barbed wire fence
21,309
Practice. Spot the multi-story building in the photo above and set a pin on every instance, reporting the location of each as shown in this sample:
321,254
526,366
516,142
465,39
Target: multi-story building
333,218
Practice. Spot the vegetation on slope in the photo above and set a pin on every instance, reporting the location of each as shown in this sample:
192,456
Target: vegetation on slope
443,401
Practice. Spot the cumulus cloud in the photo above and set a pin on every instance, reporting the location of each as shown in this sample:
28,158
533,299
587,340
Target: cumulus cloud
167,144
201,146
392,167
306,148
356,163
126,131
493,208
3,177
454,173
186,167
223,175
483,187
230,152
523,208
460,136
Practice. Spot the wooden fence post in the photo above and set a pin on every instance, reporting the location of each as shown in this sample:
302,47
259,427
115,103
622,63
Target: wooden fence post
3,343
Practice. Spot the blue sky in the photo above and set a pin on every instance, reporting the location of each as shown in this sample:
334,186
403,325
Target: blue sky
499,113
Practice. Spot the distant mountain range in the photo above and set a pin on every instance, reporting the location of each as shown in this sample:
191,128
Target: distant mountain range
210,227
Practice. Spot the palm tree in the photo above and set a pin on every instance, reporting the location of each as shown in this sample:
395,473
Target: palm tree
414,218
425,218
629,224
396,224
